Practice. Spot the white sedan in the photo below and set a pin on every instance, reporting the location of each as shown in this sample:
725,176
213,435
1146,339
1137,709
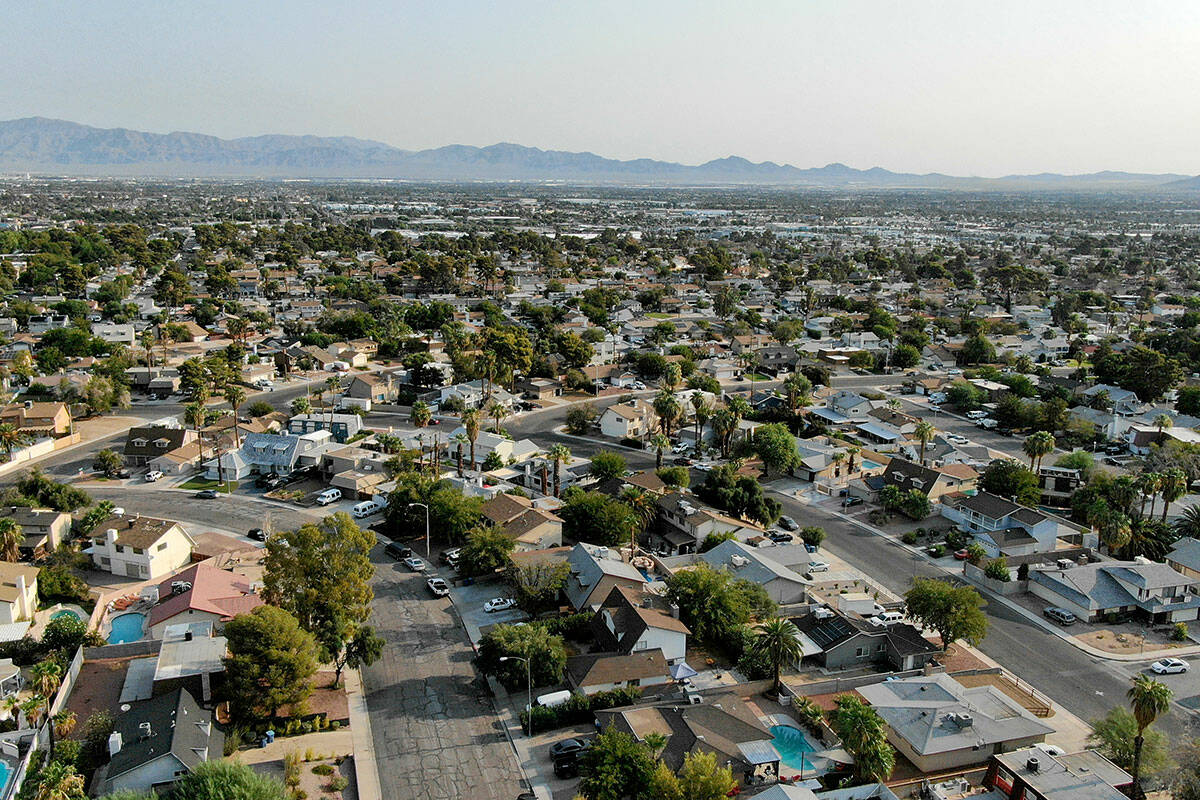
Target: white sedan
1169,666
415,564
499,604
818,566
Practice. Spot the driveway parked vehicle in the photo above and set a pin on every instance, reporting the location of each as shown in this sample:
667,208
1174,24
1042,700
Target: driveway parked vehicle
153,475
1060,615
499,604
415,564
438,587
780,537
569,747
398,551
788,524
818,566
257,534
1170,666
207,494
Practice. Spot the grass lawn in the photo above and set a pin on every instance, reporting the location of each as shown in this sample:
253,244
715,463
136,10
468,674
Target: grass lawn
755,376
198,484
658,315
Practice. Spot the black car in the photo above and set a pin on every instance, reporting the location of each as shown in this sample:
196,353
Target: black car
780,537
398,551
682,461
569,747
257,534
852,501
263,481
207,494
567,767
788,524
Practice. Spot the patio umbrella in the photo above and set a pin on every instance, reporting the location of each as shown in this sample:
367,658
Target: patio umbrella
682,670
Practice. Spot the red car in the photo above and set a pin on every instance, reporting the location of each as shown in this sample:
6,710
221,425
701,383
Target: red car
961,555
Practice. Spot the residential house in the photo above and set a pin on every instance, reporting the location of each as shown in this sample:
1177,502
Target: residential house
38,419
1152,592
934,482
18,592
341,426
939,725
202,593
1184,557
1005,528
44,529
844,407
686,524
590,673
530,527
1033,772
189,657
632,419
1058,484
838,639
783,585
145,443
632,620
134,546
594,572
269,453
375,387
159,740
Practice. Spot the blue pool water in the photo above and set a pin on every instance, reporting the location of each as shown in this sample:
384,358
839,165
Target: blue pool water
127,628
66,612
793,747
5,774
869,464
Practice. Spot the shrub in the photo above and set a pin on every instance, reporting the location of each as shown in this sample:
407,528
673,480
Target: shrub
997,570
629,441
337,784
323,769
335,725
812,535
578,709
909,537
937,551
878,517
576,627
1023,572
1179,632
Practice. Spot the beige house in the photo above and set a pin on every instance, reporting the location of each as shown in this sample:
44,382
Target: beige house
140,547
44,529
38,419
532,528
632,419
18,592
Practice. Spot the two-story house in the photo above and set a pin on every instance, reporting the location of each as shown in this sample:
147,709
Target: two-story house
594,571
38,419
341,426
933,482
686,524
134,546
631,620
1152,592
633,419
145,443
1005,528
44,529
18,592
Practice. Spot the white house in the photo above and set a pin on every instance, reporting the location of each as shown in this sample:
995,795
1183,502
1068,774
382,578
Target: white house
631,419
631,620
140,547
18,592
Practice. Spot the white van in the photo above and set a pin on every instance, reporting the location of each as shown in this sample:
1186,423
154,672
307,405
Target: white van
329,496
366,508
552,699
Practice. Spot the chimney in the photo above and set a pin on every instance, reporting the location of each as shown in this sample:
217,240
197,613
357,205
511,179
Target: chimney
114,743
1033,764
29,404
110,535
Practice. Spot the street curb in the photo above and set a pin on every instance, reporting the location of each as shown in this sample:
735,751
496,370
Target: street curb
1004,601
366,771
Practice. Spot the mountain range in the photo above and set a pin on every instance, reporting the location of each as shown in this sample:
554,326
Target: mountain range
57,147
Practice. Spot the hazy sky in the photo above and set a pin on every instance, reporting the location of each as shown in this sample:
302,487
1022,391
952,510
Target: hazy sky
964,87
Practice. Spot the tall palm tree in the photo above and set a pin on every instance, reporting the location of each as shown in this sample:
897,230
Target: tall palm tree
301,405
62,724
11,538
10,438
702,410
470,421
497,412
1037,446
837,458
47,675
1188,523
660,443
1174,486
851,454
460,439
334,384
924,433
641,502
798,390
724,423
558,454
669,411
420,415
235,396
1113,527
1148,699
194,414
778,640
1162,422
1154,481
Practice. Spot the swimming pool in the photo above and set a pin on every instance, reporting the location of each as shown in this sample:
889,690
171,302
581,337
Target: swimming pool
5,774
793,747
127,628
66,612
867,463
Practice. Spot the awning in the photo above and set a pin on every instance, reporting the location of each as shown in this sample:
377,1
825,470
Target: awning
807,646
829,414
759,752
879,432
682,670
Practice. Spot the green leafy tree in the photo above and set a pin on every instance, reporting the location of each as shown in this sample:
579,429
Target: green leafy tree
1011,480
714,604
110,461
227,780
546,653
675,477
776,446
1185,783
606,464
536,585
271,662
615,768
997,570
487,550
812,535
580,419
955,612
1115,735
596,518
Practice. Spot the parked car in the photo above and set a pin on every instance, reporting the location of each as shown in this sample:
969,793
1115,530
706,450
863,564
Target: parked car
415,564
329,496
1060,615
954,437
818,566
398,551
962,555
153,475
780,537
438,587
682,461
1170,666
887,618
268,481
852,501
977,414
788,524
206,494
449,556
499,604
257,534
566,768
569,747
681,447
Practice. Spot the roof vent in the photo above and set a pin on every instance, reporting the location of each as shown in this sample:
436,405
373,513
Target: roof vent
1033,764
144,730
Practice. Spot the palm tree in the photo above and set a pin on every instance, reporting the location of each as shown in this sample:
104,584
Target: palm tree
235,396
1113,526
11,539
837,458
851,452
58,780
1037,446
47,675
10,437
702,410
460,439
497,412
194,414
669,411
1162,422
301,405
1188,523
655,742
660,443
470,421
778,640
924,433
1174,486
62,724
724,424
1154,482
334,384
642,503
558,454
797,388
1148,699
420,414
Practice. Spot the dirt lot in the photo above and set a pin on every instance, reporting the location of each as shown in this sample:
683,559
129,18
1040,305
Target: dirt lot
1127,639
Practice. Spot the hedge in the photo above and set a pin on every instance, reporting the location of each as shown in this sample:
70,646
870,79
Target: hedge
578,709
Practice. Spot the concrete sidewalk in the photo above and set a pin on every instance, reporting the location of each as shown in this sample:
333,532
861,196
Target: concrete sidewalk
366,772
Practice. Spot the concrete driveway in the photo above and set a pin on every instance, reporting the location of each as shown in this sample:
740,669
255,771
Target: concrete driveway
469,600
435,729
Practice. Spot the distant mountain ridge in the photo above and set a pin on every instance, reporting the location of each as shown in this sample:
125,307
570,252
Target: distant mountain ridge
50,146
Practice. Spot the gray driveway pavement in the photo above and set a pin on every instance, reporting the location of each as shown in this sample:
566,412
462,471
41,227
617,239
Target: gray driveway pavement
435,727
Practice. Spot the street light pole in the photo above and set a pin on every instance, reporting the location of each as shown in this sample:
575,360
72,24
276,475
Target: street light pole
528,687
427,550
